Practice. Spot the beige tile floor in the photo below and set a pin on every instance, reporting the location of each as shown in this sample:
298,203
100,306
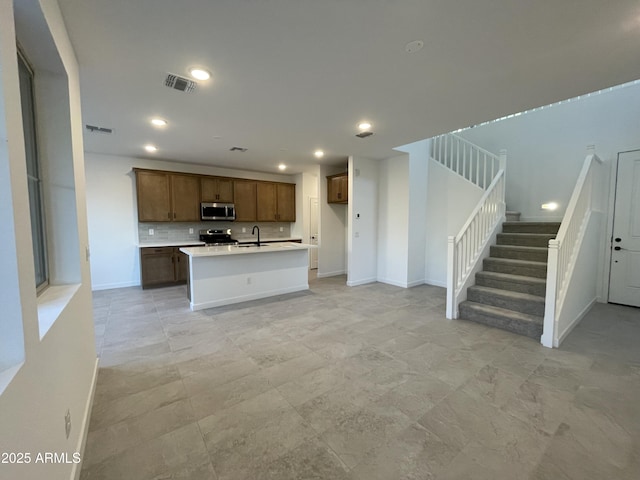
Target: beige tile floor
369,382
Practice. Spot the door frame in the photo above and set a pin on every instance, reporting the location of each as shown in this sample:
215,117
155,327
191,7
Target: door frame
608,231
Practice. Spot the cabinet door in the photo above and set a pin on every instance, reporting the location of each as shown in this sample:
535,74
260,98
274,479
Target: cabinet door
286,193
154,197
182,266
244,197
225,190
343,192
337,188
208,189
156,266
185,192
267,202
216,190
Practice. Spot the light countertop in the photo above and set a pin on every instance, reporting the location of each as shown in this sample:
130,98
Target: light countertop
243,250
268,239
167,243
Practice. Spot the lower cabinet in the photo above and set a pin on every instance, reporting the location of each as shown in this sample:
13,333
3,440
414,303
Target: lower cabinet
162,266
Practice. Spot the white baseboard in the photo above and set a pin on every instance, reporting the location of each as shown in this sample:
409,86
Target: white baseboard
109,286
574,323
395,283
245,298
330,274
436,283
82,441
364,281
415,283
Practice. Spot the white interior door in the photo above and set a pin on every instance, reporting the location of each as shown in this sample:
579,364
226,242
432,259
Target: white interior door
313,232
624,282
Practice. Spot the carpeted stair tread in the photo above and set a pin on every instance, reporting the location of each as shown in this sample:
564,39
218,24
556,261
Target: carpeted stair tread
525,239
517,283
556,224
516,322
515,266
520,252
516,301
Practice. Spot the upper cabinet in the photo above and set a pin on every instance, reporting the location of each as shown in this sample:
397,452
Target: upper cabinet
276,202
175,197
154,196
216,189
245,200
167,197
338,188
286,202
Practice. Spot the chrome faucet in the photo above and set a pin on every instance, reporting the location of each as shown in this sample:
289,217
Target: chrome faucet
253,232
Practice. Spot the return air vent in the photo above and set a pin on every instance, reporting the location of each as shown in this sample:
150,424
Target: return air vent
180,83
95,129
238,149
364,134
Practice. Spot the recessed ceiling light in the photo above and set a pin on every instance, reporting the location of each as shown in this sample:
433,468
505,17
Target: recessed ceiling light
549,206
282,166
159,122
413,47
319,153
364,126
150,148
200,73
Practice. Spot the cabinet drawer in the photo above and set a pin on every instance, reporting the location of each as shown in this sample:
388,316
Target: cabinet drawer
156,250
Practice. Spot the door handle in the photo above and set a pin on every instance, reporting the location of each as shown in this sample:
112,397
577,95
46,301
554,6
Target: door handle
617,248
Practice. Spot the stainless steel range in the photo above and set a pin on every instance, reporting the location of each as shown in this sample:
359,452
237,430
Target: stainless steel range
213,237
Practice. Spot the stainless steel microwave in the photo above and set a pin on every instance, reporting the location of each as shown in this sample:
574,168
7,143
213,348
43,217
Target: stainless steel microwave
217,211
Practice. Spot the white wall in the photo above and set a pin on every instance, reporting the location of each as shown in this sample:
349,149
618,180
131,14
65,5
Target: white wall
332,249
582,291
362,224
450,200
113,215
307,188
58,371
393,220
546,148
418,201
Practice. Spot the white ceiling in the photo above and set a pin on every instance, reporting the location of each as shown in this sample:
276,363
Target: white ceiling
292,76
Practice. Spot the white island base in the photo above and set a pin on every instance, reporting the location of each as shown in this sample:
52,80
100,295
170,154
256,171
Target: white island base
233,274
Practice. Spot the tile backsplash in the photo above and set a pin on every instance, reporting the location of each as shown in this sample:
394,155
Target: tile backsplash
179,232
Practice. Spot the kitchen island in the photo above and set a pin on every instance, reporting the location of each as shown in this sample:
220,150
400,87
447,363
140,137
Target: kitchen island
224,275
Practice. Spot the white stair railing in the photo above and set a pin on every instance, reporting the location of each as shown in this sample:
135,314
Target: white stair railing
471,245
471,162
564,249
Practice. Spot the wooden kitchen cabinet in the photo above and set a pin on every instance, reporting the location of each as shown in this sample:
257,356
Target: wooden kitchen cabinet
167,197
338,188
185,198
216,189
276,202
154,196
245,200
175,197
181,265
286,202
161,266
267,202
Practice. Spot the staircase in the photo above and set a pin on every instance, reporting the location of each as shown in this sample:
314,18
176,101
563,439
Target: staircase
509,292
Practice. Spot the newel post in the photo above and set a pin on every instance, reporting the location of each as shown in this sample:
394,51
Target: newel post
549,325
452,308
503,166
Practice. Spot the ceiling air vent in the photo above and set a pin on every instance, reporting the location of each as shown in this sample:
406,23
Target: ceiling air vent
95,129
364,134
238,149
180,83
